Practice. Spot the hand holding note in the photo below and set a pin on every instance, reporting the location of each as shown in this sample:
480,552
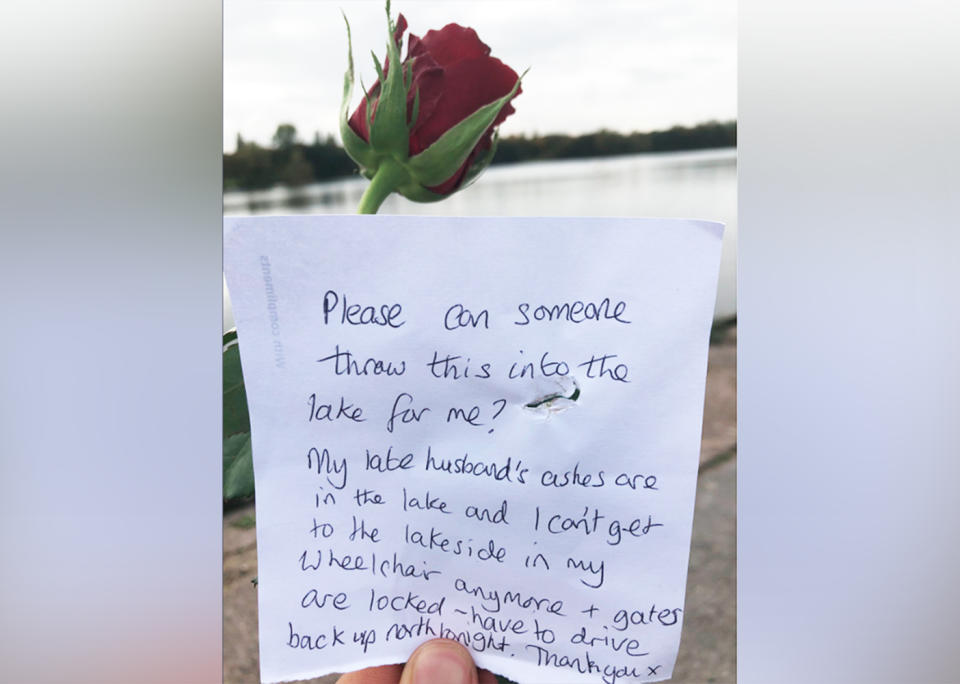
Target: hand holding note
438,661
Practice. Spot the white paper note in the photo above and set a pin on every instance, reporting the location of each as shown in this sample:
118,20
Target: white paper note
480,429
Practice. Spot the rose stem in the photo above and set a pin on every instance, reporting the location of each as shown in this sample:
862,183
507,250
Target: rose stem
389,176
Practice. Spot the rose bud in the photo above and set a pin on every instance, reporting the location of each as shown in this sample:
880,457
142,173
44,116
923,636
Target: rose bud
426,130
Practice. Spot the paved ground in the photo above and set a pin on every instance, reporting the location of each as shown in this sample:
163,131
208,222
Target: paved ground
708,645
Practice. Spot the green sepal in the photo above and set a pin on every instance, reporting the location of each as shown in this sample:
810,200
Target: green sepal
415,112
368,108
377,66
388,131
418,193
353,144
441,160
480,165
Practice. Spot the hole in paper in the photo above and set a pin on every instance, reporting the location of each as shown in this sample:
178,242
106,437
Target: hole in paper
556,402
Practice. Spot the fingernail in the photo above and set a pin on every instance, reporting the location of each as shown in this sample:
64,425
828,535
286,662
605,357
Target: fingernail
441,664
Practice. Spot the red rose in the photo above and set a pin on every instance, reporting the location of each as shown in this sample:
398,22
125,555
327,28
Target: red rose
436,116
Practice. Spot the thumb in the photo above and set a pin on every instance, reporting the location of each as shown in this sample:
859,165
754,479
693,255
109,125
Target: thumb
440,661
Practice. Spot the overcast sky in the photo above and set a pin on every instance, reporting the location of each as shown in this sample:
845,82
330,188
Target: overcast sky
627,66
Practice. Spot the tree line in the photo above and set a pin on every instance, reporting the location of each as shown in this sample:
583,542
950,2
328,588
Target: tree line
289,161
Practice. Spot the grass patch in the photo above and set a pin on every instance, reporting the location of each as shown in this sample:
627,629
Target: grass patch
244,523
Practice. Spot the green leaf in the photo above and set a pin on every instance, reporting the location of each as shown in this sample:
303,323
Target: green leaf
237,454
353,144
236,417
237,467
441,160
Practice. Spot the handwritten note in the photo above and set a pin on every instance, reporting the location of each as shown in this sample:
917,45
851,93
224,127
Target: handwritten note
479,429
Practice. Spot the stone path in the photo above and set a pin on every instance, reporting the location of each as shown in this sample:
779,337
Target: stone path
708,644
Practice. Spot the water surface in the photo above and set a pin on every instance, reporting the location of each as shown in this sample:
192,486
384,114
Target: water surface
700,184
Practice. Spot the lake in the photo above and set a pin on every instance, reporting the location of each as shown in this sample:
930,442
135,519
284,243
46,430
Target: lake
700,184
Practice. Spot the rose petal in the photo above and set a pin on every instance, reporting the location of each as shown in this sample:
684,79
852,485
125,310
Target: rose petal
466,87
454,76
451,44
428,80
401,27
415,46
